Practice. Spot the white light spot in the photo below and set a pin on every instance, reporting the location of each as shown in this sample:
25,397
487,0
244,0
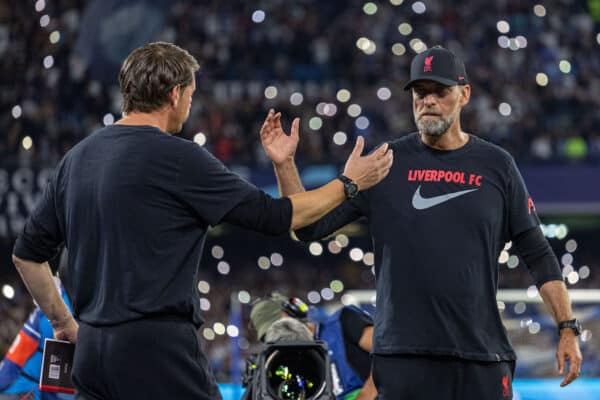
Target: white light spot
504,109
520,307
208,334
270,92
584,272
17,111
503,41
296,99
354,110
315,248
356,254
204,304
532,291
217,252
564,66
315,123
371,48
503,26
534,328
541,79
539,10
419,7
418,45
398,49
337,286
342,240
327,294
370,8
405,28
244,297
340,138
363,43
27,142
223,267
566,259
348,299
40,5
567,270
503,258
258,16
330,109
54,37
264,262
362,122
513,44
501,305
573,277
200,138
507,245
219,328
334,247
108,119
369,258
571,245
586,335
384,93
513,261
314,297
48,62
343,95
276,259
203,287
561,231
44,20
233,331
396,2
521,41
8,291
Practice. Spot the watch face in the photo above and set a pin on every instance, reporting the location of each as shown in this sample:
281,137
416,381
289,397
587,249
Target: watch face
351,190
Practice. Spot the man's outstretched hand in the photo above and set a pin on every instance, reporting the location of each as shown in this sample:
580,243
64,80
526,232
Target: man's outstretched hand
279,146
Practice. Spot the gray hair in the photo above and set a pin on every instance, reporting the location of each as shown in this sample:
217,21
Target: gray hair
288,330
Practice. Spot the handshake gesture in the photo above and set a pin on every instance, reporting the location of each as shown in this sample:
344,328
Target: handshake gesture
366,171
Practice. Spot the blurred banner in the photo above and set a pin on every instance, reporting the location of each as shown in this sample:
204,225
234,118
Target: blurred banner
112,28
555,190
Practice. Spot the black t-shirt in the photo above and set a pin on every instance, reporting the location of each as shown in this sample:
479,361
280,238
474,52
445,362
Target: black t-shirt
353,325
133,205
439,221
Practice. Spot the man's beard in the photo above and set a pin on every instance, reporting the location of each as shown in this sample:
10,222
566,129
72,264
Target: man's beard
435,128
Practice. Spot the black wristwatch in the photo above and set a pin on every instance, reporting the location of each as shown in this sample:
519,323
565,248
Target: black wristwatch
573,324
350,187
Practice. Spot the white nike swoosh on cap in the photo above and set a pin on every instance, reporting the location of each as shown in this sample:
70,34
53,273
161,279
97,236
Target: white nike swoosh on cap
421,203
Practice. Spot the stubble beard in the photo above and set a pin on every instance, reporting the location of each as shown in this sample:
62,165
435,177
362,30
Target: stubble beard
436,128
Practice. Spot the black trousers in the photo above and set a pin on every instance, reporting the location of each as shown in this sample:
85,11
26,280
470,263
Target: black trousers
408,377
144,359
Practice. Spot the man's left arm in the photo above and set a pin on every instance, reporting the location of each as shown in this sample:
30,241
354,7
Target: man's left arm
40,241
368,391
535,250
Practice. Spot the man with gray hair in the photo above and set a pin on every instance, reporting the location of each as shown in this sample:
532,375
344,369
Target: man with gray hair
288,329
133,203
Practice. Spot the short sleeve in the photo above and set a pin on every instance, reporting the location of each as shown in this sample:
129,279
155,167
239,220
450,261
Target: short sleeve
208,187
354,322
521,209
41,238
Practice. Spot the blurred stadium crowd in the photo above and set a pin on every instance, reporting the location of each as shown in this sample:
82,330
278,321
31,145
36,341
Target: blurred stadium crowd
341,66
533,69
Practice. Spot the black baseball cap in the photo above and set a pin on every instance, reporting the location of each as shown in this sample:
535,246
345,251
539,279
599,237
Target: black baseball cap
437,64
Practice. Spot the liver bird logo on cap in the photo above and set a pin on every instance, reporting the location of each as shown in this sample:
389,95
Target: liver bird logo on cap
428,61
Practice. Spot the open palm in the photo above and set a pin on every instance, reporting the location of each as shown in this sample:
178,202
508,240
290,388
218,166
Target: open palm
279,146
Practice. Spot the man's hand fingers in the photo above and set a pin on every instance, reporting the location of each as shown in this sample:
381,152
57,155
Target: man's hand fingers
358,147
560,358
381,150
295,127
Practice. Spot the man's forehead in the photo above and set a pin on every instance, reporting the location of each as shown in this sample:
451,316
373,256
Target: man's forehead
425,84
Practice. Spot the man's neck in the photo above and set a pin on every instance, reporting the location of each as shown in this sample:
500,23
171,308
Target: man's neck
156,119
453,139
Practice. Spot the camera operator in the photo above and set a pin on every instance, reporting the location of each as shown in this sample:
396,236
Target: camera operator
348,334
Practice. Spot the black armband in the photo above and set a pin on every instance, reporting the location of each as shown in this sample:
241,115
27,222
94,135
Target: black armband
535,250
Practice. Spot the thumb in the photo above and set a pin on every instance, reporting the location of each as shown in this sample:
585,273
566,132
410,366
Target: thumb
295,127
358,147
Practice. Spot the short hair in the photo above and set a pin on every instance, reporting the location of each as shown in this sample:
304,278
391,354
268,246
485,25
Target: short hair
150,72
288,330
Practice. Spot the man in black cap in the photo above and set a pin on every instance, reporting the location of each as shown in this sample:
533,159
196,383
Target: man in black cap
439,222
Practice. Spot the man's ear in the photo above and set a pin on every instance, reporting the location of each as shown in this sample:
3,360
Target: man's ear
175,95
465,95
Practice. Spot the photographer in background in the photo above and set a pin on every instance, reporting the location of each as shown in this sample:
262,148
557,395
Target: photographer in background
348,333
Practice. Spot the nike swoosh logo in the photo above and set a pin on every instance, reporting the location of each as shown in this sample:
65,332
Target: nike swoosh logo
421,203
